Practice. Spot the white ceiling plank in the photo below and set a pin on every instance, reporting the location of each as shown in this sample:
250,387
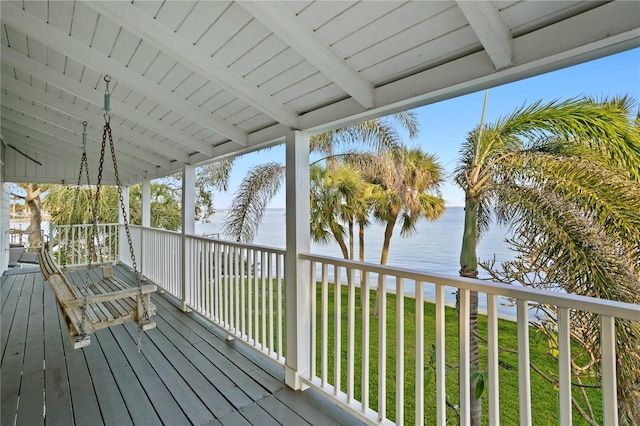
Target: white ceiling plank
58,126
50,147
566,43
180,49
83,25
173,13
199,19
97,121
484,17
143,58
124,47
105,35
62,15
296,33
146,155
97,97
16,39
38,130
88,56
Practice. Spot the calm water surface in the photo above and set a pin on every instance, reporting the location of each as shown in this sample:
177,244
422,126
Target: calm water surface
433,248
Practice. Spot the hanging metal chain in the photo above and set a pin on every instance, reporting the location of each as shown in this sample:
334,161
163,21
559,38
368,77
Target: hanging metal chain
84,165
125,219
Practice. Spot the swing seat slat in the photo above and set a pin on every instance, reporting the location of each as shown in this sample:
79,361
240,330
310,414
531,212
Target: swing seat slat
110,301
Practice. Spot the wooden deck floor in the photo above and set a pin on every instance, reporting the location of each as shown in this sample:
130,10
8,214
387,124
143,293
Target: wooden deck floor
187,373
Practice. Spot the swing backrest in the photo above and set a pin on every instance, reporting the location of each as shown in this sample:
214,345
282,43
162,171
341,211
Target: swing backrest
48,265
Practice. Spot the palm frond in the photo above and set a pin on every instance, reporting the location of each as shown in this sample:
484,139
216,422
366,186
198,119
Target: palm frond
247,208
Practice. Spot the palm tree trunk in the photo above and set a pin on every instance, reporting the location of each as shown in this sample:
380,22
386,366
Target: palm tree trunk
469,269
361,241
340,241
361,258
384,255
351,240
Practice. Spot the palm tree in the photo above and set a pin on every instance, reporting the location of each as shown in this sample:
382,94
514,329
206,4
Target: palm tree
548,150
263,182
337,197
409,181
68,205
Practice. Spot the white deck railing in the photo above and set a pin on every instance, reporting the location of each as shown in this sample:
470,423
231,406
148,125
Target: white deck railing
328,360
74,241
240,288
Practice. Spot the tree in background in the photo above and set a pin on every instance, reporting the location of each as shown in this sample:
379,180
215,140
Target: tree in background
61,200
32,200
406,188
339,197
263,182
564,174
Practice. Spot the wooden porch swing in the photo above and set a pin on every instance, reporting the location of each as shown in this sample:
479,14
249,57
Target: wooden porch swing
108,301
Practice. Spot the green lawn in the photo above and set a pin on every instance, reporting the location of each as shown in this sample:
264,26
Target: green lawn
544,397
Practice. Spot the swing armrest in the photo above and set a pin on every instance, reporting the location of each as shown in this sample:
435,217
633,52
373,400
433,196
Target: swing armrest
116,295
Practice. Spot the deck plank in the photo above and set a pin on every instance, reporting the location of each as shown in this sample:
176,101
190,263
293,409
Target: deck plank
13,359
283,414
142,410
256,415
305,408
225,357
234,419
187,373
163,401
199,372
9,307
31,406
112,406
6,284
172,369
86,410
59,410
216,368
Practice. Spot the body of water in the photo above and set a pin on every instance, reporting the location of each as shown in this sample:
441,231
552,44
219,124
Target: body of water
434,247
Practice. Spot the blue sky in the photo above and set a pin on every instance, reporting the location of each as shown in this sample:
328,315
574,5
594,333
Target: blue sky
444,125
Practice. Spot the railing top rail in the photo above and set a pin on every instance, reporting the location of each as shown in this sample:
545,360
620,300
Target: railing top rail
83,225
164,231
238,245
226,242
571,301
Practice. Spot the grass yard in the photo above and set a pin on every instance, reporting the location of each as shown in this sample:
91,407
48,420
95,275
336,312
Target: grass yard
544,396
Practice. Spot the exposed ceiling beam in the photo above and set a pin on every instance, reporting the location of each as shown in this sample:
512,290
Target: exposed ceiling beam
35,124
97,122
563,44
133,19
484,17
280,20
58,40
146,160
53,150
49,141
47,148
41,71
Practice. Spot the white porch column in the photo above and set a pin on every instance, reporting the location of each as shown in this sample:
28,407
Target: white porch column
145,220
146,203
188,227
297,285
